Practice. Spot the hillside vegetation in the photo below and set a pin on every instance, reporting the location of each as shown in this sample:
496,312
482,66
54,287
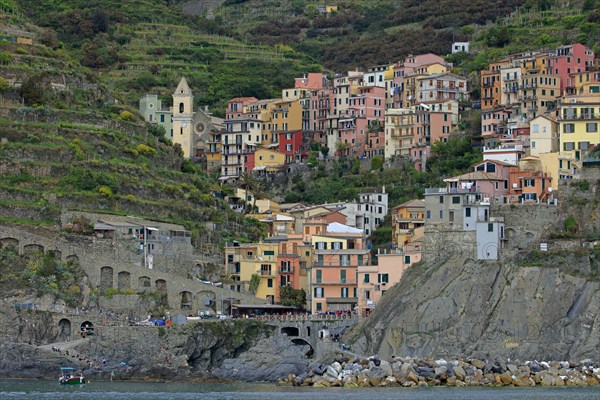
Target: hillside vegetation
142,46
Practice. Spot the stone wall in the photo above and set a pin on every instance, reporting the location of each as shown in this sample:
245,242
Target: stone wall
103,261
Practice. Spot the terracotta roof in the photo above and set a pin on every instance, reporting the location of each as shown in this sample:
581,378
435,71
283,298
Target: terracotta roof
475,176
411,203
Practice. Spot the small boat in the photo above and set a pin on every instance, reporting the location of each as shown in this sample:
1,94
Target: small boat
68,377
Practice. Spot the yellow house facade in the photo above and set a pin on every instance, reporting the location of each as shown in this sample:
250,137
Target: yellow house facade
268,160
579,118
264,265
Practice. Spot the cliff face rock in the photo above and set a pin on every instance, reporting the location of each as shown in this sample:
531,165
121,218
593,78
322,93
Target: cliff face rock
24,361
269,360
173,353
542,309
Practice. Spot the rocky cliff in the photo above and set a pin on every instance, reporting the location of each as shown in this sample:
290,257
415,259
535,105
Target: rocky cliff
543,306
245,350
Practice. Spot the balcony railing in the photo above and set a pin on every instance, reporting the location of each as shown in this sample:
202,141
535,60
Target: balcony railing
266,272
569,117
286,270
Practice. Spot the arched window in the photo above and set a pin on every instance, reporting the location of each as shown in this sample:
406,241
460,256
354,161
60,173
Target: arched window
181,108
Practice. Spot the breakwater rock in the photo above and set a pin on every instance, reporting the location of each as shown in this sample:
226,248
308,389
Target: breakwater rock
352,371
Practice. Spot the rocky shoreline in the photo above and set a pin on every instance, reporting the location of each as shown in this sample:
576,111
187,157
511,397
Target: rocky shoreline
353,371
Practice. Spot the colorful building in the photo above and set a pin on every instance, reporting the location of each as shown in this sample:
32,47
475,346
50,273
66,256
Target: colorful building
406,218
336,256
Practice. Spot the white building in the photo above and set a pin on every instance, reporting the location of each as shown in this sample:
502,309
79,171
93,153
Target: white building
460,47
367,213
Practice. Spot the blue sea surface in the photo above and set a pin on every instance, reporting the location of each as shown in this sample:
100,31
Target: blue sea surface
25,390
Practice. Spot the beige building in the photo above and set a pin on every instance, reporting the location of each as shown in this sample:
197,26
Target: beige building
543,134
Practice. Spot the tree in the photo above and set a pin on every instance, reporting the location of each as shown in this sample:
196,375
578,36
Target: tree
250,184
288,296
254,282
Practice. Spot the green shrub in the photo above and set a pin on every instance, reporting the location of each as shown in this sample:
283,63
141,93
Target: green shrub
145,150
126,116
133,152
5,58
583,185
105,191
571,224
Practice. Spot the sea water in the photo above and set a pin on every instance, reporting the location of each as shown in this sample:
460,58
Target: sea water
37,390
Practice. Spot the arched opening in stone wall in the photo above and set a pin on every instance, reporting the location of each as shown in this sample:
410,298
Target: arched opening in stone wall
10,242
161,288
106,278
124,280
290,331
73,258
64,330
510,234
308,331
303,342
490,251
186,300
56,254
33,250
144,283
87,328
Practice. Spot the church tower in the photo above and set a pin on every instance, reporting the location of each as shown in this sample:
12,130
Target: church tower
183,104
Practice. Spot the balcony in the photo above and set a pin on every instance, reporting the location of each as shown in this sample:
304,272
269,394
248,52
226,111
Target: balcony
571,117
266,272
335,282
286,270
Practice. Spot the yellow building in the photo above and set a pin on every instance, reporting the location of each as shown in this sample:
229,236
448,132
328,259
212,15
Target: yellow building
213,151
587,82
267,160
407,217
411,86
579,117
286,115
260,261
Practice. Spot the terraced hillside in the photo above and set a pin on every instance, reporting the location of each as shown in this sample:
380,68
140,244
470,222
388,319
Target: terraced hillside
143,46
116,167
217,67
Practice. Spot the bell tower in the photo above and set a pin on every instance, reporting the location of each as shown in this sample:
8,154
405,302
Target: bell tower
183,103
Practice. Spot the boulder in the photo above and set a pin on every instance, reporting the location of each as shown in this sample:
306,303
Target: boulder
506,378
387,367
478,363
460,373
524,381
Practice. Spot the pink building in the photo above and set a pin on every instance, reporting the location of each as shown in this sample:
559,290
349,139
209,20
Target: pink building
419,155
374,280
440,123
489,177
235,107
568,60
405,68
366,106
492,125
314,81
374,145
